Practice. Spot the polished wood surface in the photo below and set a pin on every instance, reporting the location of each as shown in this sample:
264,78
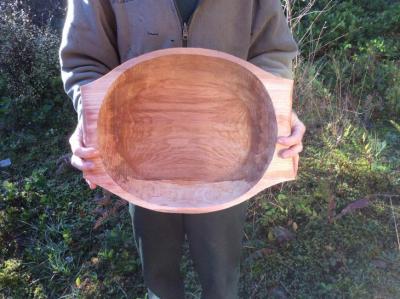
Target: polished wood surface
187,130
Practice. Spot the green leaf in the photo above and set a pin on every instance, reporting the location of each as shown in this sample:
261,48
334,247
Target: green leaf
78,282
396,125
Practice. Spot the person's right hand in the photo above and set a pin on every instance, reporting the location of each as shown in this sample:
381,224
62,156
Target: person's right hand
82,156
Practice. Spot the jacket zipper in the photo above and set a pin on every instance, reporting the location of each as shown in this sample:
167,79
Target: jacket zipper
185,35
185,25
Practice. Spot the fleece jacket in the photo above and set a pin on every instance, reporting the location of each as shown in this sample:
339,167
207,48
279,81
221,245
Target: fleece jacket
99,35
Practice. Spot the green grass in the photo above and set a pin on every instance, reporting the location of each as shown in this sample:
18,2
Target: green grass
356,256
50,249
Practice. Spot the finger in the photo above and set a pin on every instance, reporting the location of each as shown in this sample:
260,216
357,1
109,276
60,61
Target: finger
91,185
80,164
78,149
76,139
86,152
292,151
77,146
296,136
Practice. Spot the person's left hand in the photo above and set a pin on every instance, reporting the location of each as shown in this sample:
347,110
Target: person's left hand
294,141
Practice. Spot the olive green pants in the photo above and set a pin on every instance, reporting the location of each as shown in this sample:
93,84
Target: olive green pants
215,243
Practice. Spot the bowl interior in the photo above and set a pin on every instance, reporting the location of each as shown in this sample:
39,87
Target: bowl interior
186,130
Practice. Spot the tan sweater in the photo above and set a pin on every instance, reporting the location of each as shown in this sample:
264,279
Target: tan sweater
101,34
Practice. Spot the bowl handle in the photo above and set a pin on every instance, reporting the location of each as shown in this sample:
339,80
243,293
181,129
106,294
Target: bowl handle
280,91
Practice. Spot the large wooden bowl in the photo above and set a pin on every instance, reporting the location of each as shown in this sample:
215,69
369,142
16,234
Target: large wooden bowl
187,130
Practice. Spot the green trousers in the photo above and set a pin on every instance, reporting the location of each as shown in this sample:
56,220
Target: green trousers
215,243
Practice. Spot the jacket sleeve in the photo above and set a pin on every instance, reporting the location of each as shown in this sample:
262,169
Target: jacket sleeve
272,45
89,46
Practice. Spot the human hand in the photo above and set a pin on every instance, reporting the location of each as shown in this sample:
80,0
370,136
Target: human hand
82,156
294,141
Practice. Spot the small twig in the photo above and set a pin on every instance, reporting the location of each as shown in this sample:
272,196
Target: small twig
257,286
331,208
246,236
63,163
275,204
249,247
110,213
122,290
286,289
395,223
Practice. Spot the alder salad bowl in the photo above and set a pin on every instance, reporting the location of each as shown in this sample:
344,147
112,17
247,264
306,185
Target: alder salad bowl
187,130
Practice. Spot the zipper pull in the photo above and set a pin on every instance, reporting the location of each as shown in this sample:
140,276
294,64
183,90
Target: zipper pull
185,35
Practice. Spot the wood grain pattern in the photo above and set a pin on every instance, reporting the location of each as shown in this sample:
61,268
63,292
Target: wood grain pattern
187,130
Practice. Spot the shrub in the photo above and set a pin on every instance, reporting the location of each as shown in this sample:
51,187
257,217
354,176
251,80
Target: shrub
349,26
46,12
29,67
349,63
357,89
